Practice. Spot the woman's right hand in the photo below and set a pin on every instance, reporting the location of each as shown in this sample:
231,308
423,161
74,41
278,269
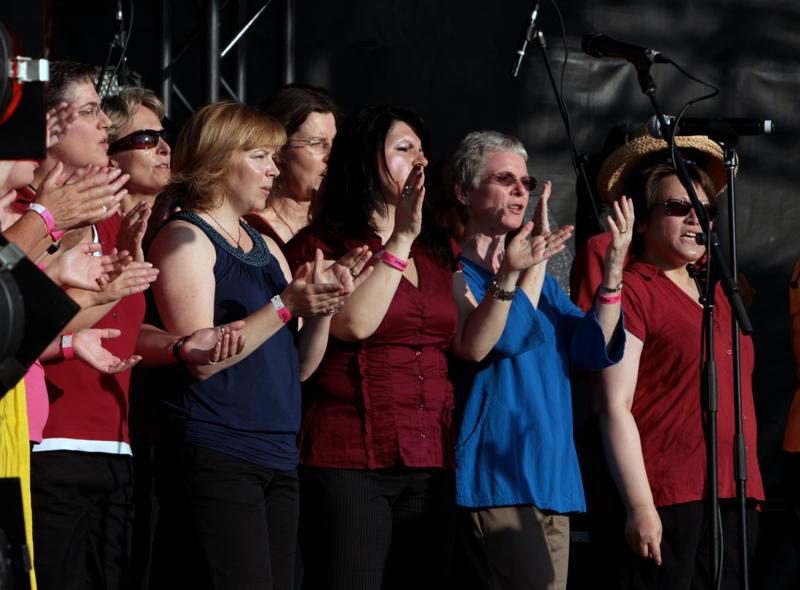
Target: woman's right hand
408,211
304,298
643,532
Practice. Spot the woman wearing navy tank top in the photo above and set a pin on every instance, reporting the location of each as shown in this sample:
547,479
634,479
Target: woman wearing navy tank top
231,484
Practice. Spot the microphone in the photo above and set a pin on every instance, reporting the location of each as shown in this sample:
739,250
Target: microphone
717,127
529,33
599,45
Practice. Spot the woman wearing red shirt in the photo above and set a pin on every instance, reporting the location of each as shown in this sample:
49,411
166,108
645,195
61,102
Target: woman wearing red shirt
377,435
650,412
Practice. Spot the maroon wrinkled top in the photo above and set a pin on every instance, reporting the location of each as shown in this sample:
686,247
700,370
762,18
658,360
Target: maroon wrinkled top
385,401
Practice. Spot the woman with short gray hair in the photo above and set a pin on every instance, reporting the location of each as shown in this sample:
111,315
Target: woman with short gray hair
517,475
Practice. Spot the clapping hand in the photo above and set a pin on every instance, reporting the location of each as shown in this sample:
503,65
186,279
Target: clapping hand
88,346
349,271
79,267
212,345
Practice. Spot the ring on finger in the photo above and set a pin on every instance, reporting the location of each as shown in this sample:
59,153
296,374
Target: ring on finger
210,362
406,192
353,273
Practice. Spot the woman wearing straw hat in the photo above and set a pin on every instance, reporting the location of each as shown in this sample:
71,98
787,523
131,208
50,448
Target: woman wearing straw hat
649,408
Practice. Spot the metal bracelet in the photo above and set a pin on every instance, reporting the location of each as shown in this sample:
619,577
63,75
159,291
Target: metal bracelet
501,294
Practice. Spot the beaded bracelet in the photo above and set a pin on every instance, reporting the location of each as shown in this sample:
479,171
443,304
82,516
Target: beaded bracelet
501,294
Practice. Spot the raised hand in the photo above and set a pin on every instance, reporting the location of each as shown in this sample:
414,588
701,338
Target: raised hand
88,346
541,218
212,345
131,232
89,195
304,298
59,119
79,267
408,211
621,226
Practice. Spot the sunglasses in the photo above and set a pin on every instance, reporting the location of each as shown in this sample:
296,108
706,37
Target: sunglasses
510,179
144,139
676,208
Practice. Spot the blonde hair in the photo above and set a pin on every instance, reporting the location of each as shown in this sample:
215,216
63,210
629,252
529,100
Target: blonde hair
120,108
207,144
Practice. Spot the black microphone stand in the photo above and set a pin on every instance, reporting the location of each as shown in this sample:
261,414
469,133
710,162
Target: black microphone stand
709,397
729,144
578,161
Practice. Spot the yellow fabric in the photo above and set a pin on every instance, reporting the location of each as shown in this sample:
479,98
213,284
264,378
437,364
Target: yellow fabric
791,438
15,453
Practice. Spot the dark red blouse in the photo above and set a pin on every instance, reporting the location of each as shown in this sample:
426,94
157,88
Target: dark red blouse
385,401
666,404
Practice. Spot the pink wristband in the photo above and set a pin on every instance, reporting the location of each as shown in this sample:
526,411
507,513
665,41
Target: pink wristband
609,299
66,346
391,260
48,219
281,309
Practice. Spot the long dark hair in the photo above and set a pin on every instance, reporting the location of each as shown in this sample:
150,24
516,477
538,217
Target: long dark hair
352,189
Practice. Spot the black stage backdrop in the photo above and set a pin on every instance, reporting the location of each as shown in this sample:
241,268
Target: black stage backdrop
450,60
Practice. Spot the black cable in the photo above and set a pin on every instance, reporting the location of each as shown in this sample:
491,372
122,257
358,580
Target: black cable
709,283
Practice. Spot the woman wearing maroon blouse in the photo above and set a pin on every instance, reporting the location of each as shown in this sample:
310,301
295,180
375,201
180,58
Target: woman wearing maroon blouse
377,435
650,413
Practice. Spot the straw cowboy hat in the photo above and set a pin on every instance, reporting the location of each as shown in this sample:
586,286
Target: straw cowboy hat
615,173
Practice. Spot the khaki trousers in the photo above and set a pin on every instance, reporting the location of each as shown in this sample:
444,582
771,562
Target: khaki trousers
518,548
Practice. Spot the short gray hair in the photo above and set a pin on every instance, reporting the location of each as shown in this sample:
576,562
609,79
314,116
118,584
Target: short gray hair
469,157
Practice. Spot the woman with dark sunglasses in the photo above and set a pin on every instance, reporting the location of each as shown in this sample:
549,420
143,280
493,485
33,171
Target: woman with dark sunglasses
137,142
517,474
650,406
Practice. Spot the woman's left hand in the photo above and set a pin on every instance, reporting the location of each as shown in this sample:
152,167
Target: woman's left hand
621,226
88,346
212,345
349,271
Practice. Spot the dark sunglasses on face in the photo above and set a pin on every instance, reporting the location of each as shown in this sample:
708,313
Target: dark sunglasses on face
510,179
677,208
139,140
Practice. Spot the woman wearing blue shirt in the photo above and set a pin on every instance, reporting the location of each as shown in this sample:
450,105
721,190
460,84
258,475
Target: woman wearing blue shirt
517,474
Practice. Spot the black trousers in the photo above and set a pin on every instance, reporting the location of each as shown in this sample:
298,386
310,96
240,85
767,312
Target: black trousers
373,530
224,523
82,519
684,550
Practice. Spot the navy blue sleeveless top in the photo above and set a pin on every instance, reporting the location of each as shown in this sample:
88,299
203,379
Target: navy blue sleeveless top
250,410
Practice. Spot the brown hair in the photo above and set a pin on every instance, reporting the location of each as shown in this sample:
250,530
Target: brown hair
120,108
63,74
207,144
293,103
